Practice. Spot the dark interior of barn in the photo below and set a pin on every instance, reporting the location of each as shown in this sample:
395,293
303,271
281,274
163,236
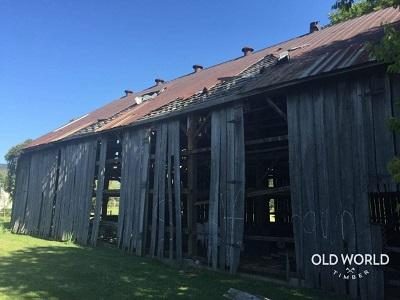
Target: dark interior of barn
111,189
268,234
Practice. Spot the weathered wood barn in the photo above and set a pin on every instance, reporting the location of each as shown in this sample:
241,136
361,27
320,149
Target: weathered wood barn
254,164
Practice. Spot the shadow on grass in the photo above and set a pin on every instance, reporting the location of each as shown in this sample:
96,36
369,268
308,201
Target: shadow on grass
69,272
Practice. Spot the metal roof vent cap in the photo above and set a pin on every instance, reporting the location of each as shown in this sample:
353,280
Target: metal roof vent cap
197,68
159,81
315,26
247,50
128,92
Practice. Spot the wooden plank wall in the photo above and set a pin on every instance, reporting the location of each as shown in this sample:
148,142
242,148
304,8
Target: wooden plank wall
226,206
134,187
166,221
54,192
339,147
36,185
74,192
21,194
161,215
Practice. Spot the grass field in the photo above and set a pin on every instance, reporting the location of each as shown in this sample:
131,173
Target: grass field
32,268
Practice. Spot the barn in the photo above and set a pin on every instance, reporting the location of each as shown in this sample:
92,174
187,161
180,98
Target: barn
260,164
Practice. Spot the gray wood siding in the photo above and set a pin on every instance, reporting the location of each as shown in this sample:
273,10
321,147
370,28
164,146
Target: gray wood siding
54,192
166,201
339,147
21,194
74,193
226,208
162,201
36,183
134,187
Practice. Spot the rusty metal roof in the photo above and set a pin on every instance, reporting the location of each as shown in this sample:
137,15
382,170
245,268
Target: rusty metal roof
335,47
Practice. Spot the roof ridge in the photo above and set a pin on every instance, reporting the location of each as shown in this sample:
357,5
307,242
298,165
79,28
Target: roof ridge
210,76
325,27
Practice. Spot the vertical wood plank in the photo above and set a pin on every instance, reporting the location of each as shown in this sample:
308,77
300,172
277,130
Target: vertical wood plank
161,191
157,167
169,188
223,205
239,198
177,190
192,186
99,191
294,137
212,252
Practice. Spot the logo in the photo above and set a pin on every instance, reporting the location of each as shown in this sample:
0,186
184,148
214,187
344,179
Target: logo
354,266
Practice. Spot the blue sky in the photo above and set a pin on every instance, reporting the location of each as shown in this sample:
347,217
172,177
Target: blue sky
62,59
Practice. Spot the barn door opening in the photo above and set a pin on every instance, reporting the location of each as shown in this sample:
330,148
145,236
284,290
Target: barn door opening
268,231
195,177
106,193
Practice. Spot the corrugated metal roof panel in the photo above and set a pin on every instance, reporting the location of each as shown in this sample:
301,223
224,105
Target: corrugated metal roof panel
335,47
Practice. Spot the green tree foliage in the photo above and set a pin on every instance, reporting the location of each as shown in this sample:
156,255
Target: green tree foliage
2,179
348,9
388,52
12,160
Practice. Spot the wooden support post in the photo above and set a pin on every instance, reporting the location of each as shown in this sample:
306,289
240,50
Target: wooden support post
177,190
154,218
99,191
212,253
192,186
105,197
223,204
169,187
143,193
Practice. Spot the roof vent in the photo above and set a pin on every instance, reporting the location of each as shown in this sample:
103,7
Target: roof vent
197,68
283,57
247,50
159,81
128,92
315,26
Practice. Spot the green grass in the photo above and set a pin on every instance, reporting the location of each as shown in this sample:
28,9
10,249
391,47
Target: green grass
32,268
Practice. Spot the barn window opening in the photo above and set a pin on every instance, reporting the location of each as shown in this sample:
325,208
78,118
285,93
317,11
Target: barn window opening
271,183
271,208
113,206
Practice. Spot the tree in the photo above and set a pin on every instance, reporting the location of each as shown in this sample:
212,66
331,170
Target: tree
12,159
348,9
2,178
388,51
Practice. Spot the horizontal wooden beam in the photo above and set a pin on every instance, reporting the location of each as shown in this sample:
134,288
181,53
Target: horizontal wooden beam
271,191
272,139
266,238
